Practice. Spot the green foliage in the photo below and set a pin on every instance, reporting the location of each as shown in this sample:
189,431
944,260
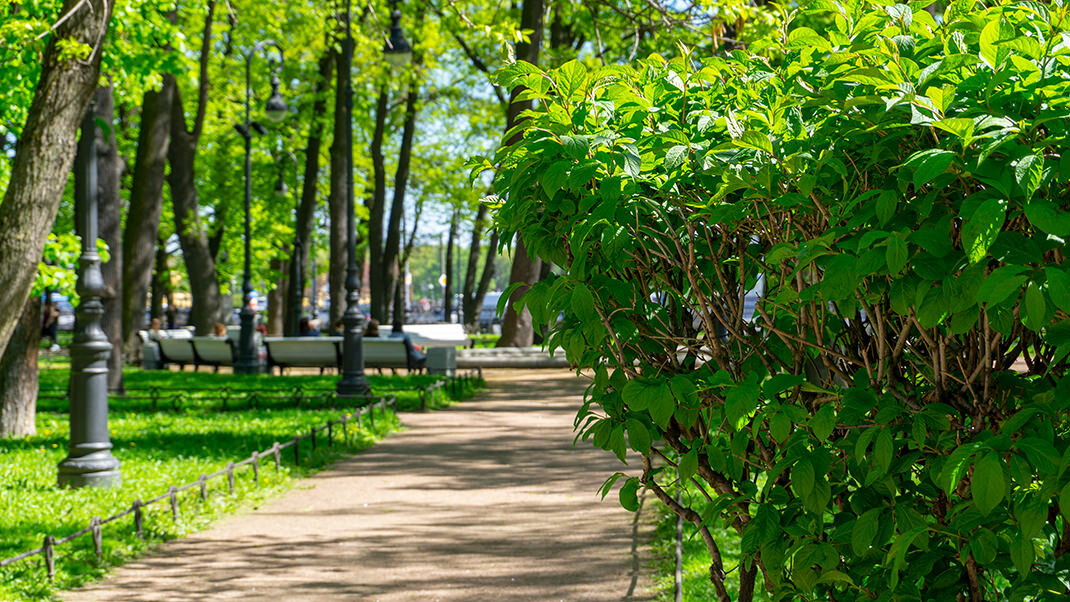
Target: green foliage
896,187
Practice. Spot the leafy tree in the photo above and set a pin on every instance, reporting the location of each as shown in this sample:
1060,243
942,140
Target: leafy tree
890,422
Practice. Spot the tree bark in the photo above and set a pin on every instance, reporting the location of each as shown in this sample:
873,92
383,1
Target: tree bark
192,232
451,278
336,277
516,327
45,152
306,212
18,374
392,251
143,217
473,293
376,204
109,220
276,304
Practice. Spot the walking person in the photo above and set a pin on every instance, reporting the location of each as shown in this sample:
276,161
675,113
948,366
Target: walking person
50,324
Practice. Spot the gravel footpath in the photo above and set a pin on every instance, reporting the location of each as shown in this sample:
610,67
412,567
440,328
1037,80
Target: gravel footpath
487,500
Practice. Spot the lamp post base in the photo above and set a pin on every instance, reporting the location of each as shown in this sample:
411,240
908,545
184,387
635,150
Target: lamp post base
357,386
100,469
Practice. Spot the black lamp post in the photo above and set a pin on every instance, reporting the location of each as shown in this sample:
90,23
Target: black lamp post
275,109
296,272
89,462
397,52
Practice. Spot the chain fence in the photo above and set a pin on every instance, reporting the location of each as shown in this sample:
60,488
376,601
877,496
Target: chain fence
427,393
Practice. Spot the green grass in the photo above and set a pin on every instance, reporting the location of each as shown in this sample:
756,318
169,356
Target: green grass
696,560
484,340
158,449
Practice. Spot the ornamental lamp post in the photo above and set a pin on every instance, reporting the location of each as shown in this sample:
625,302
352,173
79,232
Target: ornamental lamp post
397,53
89,461
275,110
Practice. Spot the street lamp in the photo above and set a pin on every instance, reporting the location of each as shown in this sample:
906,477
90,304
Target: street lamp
275,109
296,273
397,53
89,461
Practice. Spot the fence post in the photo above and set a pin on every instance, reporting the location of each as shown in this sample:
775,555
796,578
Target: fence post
423,399
98,539
138,519
297,450
330,434
230,478
155,395
174,503
298,394
50,558
275,452
345,431
256,468
360,424
204,488
371,415
312,433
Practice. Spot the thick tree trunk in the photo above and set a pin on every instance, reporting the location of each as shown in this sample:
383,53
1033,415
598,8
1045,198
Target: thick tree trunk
191,229
306,212
451,278
473,293
192,232
336,277
143,217
516,327
109,169
18,374
44,153
376,203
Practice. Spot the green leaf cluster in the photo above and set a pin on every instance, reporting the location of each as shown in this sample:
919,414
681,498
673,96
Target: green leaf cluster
889,421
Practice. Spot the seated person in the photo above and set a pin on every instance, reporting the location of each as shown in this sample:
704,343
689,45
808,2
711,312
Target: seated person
372,329
417,359
155,334
306,328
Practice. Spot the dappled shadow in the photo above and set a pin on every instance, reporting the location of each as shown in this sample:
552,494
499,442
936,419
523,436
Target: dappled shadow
486,500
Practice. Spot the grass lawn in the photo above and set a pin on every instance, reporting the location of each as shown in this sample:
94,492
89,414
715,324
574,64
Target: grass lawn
696,563
160,448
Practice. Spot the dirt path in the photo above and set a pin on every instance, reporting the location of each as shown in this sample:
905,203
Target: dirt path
485,501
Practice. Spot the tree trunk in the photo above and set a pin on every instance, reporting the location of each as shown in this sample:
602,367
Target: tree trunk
392,251
44,153
192,232
276,304
336,277
109,169
143,217
447,295
18,374
473,293
377,266
191,229
516,327
306,212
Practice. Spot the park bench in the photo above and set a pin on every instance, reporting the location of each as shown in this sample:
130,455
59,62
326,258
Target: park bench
213,351
177,351
304,352
326,352
437,335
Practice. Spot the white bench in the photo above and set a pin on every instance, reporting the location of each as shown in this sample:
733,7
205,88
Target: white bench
177,351
213,351
437,335
304,352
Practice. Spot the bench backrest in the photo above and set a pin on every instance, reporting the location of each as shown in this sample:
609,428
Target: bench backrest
303,351
215,350
437,335
177,350
385,353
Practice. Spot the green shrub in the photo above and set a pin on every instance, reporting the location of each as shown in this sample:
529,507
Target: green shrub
891,424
